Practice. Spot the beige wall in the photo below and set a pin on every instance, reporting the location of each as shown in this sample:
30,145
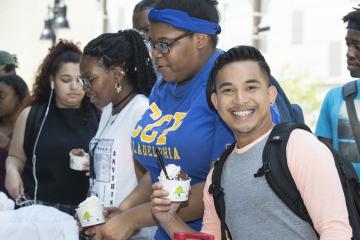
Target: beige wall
21,22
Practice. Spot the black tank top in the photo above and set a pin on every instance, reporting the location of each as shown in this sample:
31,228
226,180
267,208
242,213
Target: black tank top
57,183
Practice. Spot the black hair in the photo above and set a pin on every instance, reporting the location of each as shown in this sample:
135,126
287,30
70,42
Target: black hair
10,68
144,5
203,9
127,49
353,16
238,53
16,83
66,57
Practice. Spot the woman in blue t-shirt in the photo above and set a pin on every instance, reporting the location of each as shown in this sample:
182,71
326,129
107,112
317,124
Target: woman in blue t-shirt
179,121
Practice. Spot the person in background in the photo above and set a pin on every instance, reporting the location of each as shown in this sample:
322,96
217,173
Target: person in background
333,125
13,98
140,16
8,63
242,96
59,119
142,24
117,74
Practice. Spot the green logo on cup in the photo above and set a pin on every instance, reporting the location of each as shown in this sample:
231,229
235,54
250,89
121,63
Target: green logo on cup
87,216
179,190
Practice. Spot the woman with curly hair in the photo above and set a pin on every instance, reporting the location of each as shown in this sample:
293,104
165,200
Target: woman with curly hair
59,119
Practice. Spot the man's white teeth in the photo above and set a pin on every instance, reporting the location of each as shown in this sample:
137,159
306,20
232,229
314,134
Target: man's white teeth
243,113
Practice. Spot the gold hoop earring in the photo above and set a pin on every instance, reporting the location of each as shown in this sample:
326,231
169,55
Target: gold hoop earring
118,87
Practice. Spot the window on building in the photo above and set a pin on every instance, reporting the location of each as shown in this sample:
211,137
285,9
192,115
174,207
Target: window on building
335,58
297,27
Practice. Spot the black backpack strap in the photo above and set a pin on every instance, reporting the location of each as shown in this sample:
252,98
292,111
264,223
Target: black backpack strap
276,170
348,176
350,91
351,187
218,192
33,122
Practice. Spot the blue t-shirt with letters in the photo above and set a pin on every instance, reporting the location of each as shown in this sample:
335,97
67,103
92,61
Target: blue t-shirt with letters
188,133
334,124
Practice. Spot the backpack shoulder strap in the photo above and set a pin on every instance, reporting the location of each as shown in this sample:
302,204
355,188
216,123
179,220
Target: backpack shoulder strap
218,192
351,187
276,170
350,90
33,122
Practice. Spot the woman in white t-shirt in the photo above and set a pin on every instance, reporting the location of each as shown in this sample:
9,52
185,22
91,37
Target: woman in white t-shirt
117,74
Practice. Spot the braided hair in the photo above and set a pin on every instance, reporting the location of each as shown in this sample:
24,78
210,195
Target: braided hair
127,49
238,53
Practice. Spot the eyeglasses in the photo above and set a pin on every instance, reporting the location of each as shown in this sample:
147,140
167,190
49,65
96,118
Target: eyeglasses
85,81
164,47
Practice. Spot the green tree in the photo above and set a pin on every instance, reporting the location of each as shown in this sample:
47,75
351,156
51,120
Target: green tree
306,91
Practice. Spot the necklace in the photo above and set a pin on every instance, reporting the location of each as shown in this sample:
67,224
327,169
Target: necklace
109,122
122,100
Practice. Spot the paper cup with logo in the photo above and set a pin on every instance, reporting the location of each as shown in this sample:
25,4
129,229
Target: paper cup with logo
178,189
77,162
90,215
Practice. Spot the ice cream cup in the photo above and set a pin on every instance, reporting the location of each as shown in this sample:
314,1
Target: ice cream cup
90,215
178,189
78,162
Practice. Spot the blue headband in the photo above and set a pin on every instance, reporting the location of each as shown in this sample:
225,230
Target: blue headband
182,20
353,25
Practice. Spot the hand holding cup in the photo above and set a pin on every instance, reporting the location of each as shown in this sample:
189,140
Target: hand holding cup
90,212
162,208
